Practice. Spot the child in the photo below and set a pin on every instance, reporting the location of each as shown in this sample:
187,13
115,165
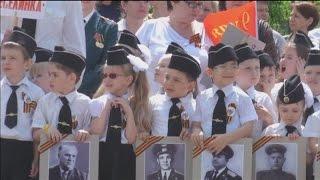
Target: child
163,63
312,75
170,111
293,61
19,98
290,103
267,73
223,109
63,110
117,113
248,77
39,71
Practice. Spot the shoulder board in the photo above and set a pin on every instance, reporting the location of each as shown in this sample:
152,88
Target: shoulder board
232,174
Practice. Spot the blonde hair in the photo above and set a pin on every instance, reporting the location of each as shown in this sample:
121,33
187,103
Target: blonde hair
139,100
36,68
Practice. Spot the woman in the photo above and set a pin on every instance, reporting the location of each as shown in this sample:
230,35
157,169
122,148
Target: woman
180,27
134,14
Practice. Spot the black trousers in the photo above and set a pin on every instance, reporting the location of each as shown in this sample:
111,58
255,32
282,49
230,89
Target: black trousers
116,162
16,159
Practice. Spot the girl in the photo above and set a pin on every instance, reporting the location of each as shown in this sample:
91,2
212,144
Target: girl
39,71
170,111
290,104
121,113
248,77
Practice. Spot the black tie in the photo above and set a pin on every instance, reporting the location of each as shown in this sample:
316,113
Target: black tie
219,119
309,111
29,26
165,176
215,173
290,129
114,126
65,118
174,122
12,109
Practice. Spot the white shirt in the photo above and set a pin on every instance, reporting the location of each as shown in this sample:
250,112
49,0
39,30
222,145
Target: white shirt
207,100
315,37
262,99
280,129
167,173
312,127
49,107
157,34
307,95
62,25
96,107
316,105
160,105
27,92
122,25
87,18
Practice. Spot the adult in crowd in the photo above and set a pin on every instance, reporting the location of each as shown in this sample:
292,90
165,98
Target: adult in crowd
109,9
263,13
208,7
160,9
180,27
265,33
304,17
101,33
61,25
135,13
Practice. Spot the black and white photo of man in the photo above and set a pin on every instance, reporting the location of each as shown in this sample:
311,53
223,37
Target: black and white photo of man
65,169
165,154
220,170
276,159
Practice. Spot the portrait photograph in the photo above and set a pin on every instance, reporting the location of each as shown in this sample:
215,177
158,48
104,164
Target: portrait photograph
70,160
226,164
280,160
168,159
232,163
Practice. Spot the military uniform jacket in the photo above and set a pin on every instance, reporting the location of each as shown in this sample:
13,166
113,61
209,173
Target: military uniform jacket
226,174
105,31
174,175
75,174
274,175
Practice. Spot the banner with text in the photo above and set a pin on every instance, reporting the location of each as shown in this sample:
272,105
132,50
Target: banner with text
23,9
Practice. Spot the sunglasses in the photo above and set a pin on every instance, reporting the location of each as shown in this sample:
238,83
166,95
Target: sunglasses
111,75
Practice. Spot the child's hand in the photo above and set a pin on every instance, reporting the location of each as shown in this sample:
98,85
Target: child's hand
143,135
264,114
293,136
124,105
197,138
185,135
218,143
54,134
34,168
81,135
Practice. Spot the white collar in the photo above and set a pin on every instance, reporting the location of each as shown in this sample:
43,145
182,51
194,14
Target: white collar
24,81
70,97
251,92
296,125
112,96
227,89
167,173
220,171
318,97
185,100
87,18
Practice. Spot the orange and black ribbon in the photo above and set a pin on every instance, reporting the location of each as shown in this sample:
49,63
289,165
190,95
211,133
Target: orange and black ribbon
196,39
198,150
147,143
49,144
261,142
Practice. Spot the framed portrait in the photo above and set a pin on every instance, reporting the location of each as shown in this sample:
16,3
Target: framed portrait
279,158
316,164
163,158
233,162
69,159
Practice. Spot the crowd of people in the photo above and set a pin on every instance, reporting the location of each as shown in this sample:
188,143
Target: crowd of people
112,69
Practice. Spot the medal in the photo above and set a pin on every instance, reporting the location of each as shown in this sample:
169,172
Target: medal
286,99
99,40
99,44
231,110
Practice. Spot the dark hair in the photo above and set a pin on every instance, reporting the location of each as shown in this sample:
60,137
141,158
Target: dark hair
222,5
169,6
67,70
308,10
14,45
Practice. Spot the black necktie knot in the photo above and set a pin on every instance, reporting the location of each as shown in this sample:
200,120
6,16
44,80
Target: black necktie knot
290,129
64,100
315,100
220,93
14,88
175,101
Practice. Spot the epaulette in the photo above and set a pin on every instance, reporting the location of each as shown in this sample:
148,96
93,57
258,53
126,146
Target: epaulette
231,173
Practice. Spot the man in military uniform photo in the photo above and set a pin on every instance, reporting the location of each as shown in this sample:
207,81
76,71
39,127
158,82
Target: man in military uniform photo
220,170
165,156
276,160
65,170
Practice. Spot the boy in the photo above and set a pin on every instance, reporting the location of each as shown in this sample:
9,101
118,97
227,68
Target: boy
223,109
63,110
19,98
